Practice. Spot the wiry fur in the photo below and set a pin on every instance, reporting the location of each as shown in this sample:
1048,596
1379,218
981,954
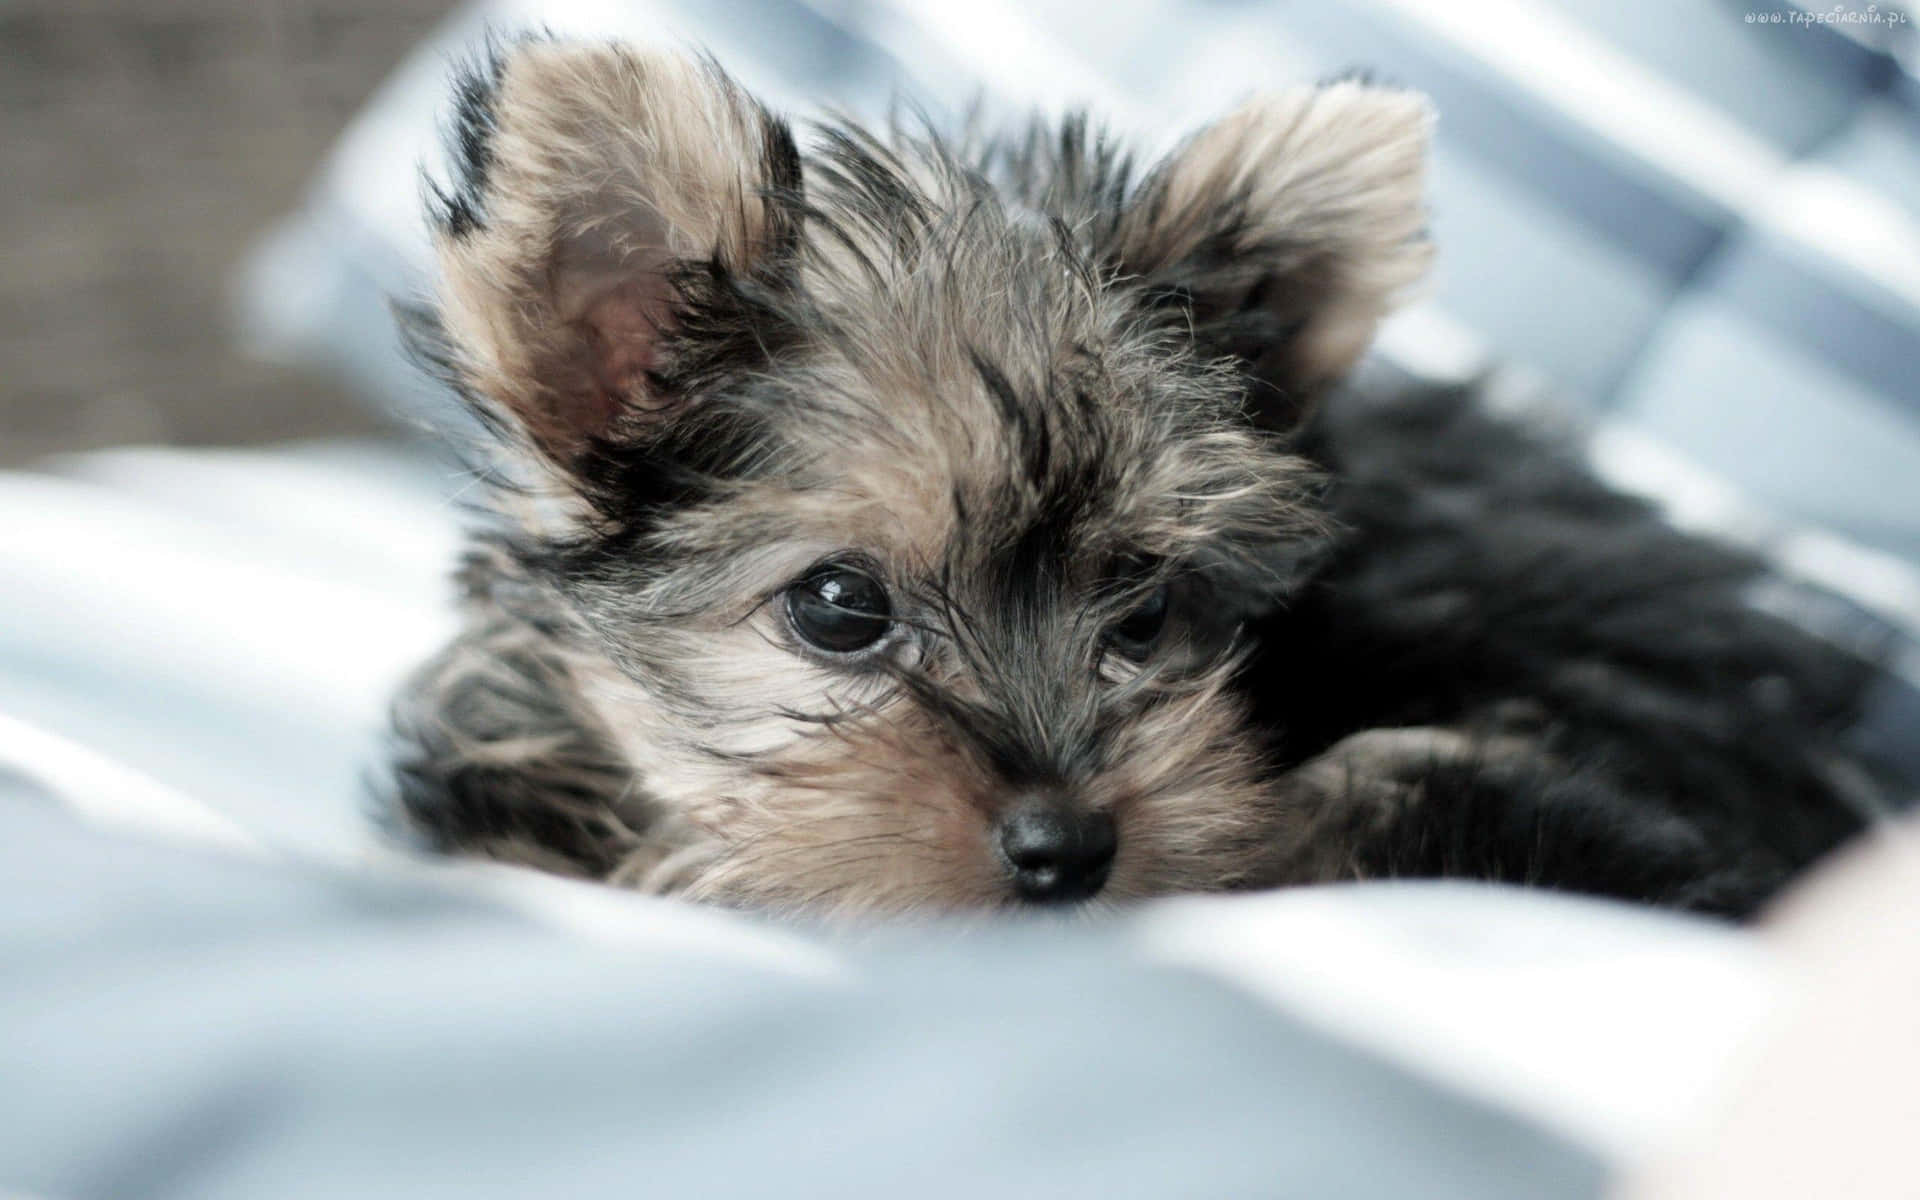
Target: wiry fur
1024,386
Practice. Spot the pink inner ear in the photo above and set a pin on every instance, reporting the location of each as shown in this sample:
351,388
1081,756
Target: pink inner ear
623,327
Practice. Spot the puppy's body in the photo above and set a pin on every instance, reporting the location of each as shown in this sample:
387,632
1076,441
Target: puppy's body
1655,734
909,525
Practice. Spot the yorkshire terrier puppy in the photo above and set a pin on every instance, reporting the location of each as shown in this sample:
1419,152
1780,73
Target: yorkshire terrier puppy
911,523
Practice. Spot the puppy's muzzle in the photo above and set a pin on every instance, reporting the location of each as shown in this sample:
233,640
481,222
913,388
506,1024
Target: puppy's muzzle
1057,852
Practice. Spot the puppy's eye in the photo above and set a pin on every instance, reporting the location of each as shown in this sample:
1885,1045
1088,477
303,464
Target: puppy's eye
1134,634
839,609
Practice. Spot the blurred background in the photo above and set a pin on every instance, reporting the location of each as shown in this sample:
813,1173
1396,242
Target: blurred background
1687,229
147,145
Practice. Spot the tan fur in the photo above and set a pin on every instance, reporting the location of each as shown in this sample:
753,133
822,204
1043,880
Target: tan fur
885,814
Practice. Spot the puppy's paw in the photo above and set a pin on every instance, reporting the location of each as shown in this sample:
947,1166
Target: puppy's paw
1361,786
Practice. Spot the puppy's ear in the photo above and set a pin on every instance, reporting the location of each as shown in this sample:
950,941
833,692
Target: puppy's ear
1286,231
591,177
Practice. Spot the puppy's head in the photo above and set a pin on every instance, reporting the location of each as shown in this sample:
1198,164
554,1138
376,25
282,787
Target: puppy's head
903,503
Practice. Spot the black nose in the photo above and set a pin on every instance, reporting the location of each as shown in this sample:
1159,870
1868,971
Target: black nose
1058,854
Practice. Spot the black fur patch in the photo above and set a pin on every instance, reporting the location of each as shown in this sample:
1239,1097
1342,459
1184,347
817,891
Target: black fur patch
1484,570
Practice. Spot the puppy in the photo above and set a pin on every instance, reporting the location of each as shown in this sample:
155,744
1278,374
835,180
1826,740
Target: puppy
911,523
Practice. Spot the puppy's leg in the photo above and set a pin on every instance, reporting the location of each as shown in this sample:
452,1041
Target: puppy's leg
1433,801
1356,792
